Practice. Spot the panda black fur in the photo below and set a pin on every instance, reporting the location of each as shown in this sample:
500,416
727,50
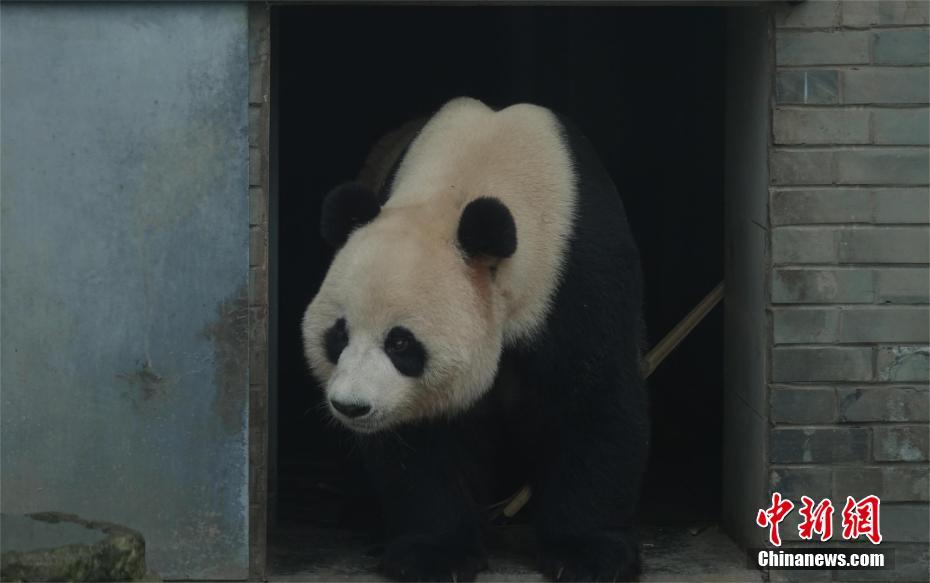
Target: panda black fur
557,399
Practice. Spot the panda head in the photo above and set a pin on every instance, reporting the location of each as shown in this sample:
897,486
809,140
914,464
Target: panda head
408,324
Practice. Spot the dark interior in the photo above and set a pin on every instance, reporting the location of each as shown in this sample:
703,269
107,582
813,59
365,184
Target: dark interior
646,85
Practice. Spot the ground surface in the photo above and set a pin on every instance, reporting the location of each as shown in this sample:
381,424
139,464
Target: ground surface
670,554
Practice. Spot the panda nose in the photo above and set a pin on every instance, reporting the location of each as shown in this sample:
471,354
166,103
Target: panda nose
350,410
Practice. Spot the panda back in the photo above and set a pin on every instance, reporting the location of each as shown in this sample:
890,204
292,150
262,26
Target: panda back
518,155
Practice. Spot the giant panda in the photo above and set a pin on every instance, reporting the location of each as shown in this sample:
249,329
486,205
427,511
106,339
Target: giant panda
486,306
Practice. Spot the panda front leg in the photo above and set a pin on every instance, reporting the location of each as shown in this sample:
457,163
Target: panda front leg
586,491
431,522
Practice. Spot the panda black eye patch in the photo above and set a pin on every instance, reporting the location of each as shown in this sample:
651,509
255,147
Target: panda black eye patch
335,340
405,351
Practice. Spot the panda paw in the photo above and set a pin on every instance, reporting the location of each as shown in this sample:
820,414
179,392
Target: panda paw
602,556
425,558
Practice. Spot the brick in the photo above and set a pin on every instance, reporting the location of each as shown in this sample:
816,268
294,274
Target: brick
820,126
257,436
844,286
905,523
808,15
801,166
901,205
856,481
832,325
883,166
803,406
805,326
821,205
257,206
792,483
883,404
257,247
901,12
903,363
257,481
258,367
898,324
906,285
257,553
901,47
259,37
257,559
901,127
910,565
258,324
800,245
828,363
815,86
258,287
255,125
905,484
900,443
846,47
884,12
255,167
256,86
828,445
257,529
886,85
883,245
891,483
859,14
262,48
258,411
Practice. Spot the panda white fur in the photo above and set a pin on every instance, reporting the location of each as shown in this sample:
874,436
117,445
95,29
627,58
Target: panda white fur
498,251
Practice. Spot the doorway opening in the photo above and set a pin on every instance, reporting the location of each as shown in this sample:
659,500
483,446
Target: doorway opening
647,85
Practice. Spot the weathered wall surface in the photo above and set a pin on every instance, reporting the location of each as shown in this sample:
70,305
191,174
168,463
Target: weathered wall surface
848,395
125,241
261,258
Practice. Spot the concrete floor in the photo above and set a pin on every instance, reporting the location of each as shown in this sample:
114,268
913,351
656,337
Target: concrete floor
669,553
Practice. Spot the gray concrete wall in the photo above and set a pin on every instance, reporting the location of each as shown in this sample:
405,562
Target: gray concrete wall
746,356
125,261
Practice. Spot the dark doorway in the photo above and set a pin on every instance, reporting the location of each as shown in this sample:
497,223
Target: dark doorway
647,87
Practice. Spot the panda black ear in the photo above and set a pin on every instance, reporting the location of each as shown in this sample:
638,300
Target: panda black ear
487,230
346,208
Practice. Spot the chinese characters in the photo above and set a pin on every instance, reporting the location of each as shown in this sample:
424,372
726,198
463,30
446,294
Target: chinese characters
859,518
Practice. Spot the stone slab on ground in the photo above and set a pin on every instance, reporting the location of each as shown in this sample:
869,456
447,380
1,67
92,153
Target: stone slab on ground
53,546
